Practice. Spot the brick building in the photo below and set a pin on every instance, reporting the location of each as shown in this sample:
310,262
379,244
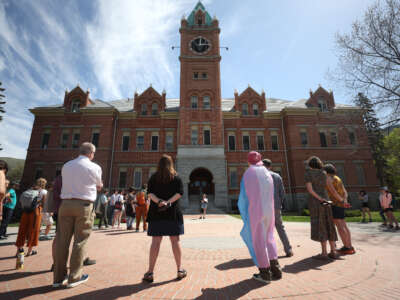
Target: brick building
207,135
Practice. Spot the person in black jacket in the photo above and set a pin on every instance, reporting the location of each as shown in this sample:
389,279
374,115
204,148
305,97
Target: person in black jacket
165,217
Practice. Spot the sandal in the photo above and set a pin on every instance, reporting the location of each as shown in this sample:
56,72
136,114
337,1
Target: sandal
148,277
33,252
333,255
181,274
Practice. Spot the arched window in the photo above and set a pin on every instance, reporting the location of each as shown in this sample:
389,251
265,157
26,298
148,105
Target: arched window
245,109
75,104
154,109
255,109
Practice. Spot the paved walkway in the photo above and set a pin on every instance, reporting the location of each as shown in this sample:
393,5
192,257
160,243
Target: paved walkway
218,267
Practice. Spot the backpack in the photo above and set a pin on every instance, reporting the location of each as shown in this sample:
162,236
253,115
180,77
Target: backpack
140,198
118,205
29,200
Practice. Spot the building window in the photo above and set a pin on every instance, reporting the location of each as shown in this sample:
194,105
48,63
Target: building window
255,109
233,178
246,142
123,174
125,141
64,139
245,109
304,138
340,172
169,142
196,75
274,141
95,138
193,101
143,111
140,141
232,142
194,136
322,104
38,173
207,136
137,180
260,142
206,102
334,139
352,137
75,139
154,142
75,105
360,174
45,140
154,109
204,75
322,138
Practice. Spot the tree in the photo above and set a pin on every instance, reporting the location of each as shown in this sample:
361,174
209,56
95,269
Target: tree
369,57
15,175
2,111
392,146
374,134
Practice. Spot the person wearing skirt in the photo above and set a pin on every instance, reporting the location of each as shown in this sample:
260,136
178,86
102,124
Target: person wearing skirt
165,217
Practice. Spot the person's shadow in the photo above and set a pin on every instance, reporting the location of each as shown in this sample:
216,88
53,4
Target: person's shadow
233,291
305,264
235,264
110,293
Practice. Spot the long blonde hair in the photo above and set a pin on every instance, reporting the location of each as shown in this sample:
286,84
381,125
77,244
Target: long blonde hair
41,183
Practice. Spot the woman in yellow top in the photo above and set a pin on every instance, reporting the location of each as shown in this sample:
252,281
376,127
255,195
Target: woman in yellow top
338,207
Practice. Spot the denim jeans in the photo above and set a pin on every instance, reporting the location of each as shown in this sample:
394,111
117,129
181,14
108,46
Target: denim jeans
129,221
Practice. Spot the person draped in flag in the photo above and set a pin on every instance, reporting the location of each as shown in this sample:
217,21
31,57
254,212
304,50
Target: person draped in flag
256,205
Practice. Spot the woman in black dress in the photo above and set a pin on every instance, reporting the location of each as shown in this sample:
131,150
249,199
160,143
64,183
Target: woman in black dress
165,218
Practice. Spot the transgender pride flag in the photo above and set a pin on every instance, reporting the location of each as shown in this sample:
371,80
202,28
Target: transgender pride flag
256,205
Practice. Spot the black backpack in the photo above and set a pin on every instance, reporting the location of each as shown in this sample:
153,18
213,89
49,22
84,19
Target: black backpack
29,200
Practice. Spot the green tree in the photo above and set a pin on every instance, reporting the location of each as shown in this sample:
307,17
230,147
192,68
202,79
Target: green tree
15,175
392,156
374,134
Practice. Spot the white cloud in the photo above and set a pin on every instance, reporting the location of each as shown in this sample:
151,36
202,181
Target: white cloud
129,44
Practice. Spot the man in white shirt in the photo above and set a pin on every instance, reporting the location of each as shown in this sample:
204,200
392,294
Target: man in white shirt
111,207
81,181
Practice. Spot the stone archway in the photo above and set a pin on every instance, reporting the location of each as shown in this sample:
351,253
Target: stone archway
200,182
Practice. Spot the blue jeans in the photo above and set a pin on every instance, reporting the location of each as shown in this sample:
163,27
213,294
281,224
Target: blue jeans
129,221
7,215
110,214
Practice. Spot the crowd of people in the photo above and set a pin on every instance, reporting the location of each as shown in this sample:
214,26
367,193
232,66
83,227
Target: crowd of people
77,195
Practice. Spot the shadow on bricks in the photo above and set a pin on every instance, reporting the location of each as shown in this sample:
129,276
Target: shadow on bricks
18,275
305,264
233,291
235,264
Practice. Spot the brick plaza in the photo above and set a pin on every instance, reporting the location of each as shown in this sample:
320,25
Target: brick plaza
218,265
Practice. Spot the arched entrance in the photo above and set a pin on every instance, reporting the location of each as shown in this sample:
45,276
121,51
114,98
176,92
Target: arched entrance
201,181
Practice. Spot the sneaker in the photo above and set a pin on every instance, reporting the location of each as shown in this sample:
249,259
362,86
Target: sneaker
275,269
264,275
83,279
89,262
383,225
289,254
59,284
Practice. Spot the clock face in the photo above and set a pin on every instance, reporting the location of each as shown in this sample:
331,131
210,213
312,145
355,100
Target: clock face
200,45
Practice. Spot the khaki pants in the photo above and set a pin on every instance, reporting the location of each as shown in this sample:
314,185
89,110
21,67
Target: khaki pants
75,218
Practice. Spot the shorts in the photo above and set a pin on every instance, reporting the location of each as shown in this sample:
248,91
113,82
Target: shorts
338,212
365,204
388,209
204,205
47,220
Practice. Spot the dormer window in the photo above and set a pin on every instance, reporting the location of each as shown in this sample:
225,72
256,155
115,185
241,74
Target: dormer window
75,105
200,20
245,109
255,109
154,109
322,104
143,111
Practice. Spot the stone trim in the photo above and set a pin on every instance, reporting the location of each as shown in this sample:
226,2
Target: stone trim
147,129
72,126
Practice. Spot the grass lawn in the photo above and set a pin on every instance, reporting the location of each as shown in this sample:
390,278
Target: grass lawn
294,217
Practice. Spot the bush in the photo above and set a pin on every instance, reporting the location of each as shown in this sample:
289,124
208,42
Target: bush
352,213
305,212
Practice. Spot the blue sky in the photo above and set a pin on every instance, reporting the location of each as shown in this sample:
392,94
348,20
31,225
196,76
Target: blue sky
116,47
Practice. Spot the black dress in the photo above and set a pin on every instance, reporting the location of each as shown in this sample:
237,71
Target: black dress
170,221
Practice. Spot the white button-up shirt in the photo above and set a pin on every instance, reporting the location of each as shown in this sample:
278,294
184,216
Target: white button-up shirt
80,178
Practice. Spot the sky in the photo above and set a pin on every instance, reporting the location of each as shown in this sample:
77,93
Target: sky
114,48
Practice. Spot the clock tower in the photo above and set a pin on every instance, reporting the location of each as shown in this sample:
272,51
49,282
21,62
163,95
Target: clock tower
200,140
